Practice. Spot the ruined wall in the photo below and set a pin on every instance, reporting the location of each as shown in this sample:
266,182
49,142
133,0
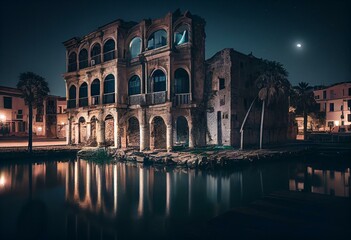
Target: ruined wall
218,92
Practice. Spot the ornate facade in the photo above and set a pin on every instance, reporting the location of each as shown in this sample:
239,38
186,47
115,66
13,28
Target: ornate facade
138,84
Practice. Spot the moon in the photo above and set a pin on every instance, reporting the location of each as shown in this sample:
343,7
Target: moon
298,45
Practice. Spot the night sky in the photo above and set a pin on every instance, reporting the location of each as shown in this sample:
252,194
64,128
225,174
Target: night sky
32,33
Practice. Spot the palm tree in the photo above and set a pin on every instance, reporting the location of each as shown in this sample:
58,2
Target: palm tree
34,88
303,99
273,84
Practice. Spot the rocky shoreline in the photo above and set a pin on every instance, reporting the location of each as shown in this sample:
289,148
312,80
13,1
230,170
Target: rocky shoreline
206,158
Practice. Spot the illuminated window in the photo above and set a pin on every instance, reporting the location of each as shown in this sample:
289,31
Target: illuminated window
135,47
181,35
157,39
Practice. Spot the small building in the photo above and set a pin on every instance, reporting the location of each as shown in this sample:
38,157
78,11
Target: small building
335,101
230,77
14,115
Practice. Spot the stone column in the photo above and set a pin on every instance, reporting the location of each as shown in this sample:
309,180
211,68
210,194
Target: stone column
89,92
116,133
169,137
100,136
88,130
77,133
101,91
143,136
191,135
69,132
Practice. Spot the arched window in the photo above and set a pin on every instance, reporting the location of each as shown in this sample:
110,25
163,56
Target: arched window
135,47
134,85
157,39
95,54
159,81
181,35
83,59
72,62
181,80
72,94
109,89
83,95
95,92
109,50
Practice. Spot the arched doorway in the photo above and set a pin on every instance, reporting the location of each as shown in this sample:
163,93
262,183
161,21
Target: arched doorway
109,130
182,131
82,130
133,132
158,133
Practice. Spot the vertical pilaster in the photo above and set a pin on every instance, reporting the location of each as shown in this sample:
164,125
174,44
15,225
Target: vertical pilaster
191,135
77,133
69,131
88,130
169,137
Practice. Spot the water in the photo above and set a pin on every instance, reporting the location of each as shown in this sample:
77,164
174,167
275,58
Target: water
82,200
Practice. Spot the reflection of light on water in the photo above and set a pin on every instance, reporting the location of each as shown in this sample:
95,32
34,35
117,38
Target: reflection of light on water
2,181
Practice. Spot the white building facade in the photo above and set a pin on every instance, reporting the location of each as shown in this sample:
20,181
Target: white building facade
335,101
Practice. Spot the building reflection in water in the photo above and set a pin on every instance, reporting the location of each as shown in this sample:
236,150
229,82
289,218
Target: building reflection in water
110,200
316,179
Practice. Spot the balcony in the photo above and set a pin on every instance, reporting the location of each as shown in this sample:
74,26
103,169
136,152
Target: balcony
95,100
182,98
156,98
138,99
83,102
109,98
71,103
95,60
109,55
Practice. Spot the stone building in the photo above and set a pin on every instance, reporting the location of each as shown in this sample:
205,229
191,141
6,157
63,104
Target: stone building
230,81
148,85
14,115
138,84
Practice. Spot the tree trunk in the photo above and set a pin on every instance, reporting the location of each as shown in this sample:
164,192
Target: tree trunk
30,128
304,124
243,124
261,128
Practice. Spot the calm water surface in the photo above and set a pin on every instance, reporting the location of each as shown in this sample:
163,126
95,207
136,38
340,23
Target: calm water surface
76,199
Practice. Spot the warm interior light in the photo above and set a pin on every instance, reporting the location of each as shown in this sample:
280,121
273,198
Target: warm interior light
40,128
337,123
2,181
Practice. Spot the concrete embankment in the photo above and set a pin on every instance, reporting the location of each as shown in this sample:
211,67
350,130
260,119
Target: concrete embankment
43,153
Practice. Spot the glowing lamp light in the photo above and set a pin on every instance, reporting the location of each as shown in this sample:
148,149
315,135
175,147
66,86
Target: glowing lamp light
2,117
62,123
2,181
336,123
40,129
